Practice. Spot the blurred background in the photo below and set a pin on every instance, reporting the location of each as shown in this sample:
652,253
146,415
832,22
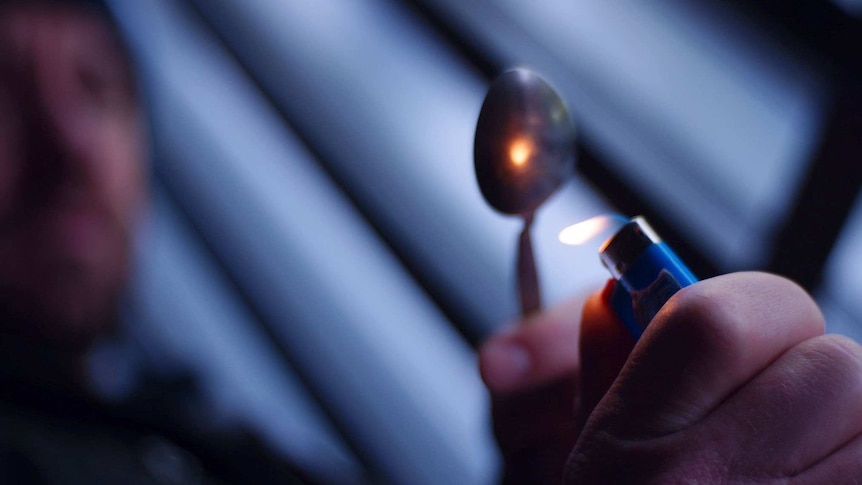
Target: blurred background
319,254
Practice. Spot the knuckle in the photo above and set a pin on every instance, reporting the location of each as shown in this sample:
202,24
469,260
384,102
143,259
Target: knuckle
738,312
703,317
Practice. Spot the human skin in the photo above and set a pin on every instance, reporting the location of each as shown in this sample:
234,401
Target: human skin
734,381
71,178
540,394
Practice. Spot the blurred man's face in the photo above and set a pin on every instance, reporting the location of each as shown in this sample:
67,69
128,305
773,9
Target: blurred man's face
70,173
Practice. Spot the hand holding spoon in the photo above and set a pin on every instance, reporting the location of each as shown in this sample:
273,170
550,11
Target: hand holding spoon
523,152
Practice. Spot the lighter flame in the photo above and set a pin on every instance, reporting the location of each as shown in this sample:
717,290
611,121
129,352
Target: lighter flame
520,151
583,232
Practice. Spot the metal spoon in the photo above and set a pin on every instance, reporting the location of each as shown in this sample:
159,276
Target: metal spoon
524,151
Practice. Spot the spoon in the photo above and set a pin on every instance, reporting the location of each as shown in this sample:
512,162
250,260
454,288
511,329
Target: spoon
523,152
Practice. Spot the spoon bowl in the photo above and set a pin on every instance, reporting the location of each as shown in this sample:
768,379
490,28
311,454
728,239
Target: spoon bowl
524,148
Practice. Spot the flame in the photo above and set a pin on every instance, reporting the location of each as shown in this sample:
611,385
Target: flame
520,151
583,232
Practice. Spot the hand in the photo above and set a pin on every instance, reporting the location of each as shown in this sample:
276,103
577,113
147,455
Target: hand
733,382
540,396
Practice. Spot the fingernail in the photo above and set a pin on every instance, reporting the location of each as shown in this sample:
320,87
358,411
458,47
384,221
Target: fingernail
504,365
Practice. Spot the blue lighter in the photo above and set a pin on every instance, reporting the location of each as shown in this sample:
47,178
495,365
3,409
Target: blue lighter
647,273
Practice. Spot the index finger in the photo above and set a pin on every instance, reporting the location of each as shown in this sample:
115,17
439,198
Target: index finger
707,341
535,352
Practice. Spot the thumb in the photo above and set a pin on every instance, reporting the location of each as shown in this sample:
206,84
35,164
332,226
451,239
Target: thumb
604,347
706,343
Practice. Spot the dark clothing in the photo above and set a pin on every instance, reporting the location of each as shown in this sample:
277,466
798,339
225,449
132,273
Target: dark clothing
52,438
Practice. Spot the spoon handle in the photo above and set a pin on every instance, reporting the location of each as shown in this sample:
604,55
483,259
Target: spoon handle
528,279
